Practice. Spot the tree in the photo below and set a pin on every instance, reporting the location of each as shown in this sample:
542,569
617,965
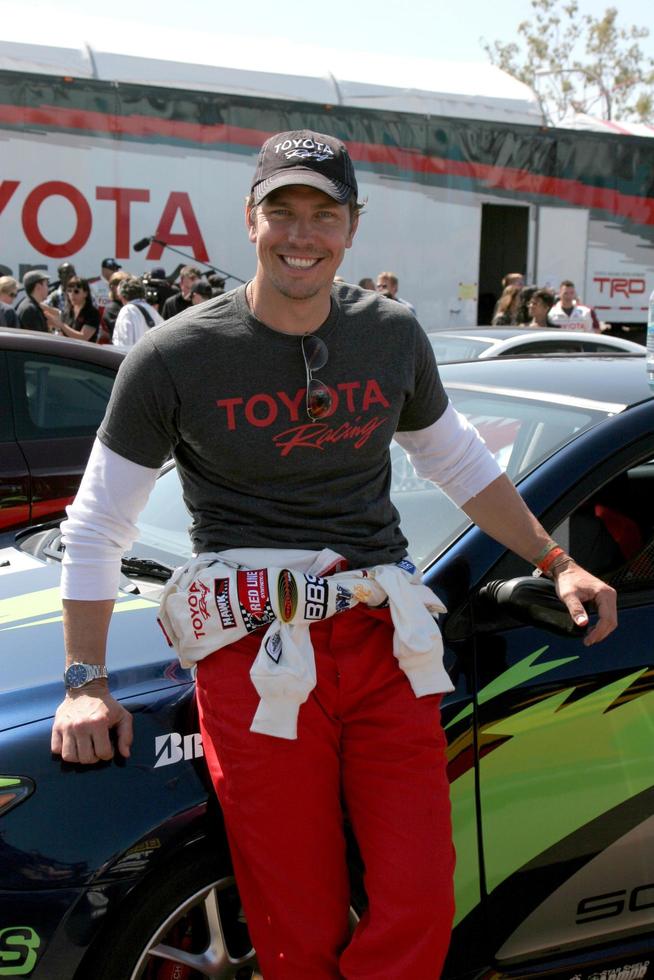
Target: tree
580,63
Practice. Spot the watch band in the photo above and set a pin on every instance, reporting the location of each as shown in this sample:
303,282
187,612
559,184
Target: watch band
78,674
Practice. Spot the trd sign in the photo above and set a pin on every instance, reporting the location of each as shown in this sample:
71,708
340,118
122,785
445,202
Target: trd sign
620,286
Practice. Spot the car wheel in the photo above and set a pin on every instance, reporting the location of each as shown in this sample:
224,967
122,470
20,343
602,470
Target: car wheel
188,925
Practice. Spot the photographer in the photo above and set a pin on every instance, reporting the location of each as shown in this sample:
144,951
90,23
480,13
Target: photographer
159,287
136,315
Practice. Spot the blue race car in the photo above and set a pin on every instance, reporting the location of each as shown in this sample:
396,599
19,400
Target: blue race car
121,870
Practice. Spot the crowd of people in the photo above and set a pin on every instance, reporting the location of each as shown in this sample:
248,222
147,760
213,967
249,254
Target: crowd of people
386,285
539,307
118,307
115,307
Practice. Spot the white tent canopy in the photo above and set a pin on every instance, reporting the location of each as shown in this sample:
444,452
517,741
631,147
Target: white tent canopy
270,68
582,121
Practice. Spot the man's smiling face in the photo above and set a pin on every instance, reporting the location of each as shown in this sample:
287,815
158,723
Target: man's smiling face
300,235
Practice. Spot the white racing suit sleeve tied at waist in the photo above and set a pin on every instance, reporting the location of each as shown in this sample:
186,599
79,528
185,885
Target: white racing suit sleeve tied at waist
212,601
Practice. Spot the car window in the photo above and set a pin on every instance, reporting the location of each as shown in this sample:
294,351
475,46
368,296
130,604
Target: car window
520,429
547,347
597,347
55,397
165,521
449,349
612,532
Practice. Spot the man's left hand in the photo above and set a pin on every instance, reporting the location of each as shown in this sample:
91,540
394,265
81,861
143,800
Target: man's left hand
575,586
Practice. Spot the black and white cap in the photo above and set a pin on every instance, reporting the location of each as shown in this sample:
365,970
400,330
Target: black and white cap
305,157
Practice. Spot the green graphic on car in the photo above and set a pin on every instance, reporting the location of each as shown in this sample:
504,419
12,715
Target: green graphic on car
44,606
18,946
547,770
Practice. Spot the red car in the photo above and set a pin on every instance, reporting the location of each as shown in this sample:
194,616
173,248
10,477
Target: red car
53,395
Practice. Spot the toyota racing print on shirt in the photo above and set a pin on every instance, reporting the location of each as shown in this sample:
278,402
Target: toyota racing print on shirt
360,401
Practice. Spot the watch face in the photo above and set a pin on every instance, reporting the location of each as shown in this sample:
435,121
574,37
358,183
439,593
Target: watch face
76,675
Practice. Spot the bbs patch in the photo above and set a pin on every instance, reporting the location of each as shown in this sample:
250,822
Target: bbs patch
316,596
254,598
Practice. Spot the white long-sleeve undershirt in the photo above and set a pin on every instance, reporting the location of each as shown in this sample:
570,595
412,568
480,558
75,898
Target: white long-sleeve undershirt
101,521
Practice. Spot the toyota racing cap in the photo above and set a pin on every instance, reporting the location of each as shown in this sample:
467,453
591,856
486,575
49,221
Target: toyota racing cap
305,157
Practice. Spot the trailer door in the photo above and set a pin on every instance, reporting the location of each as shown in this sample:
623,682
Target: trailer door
562,247
504,242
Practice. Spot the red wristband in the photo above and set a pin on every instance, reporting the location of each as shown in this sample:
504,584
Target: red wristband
549,559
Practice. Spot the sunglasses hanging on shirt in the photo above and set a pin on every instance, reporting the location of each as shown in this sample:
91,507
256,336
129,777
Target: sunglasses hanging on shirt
318,396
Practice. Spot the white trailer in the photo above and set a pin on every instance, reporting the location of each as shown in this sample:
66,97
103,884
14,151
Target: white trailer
103,143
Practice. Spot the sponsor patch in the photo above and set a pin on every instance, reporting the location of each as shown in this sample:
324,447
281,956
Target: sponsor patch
273,647
197,606
287,596
406,566
344,598
254,598
316,594
223,605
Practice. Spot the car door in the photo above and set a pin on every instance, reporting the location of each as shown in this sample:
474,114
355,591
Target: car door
564,736
58,403
14,474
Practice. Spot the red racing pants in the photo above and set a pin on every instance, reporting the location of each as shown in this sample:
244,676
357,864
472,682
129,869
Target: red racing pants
367,748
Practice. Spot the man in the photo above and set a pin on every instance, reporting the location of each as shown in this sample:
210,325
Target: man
100,285
30,314
387,283
201,292
188,276
278,464
567,313
136,315
113,306
57,297
8,293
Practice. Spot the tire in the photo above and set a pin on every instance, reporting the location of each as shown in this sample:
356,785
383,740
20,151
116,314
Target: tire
186,925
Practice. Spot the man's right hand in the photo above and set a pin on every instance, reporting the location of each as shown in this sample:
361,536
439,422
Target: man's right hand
82,724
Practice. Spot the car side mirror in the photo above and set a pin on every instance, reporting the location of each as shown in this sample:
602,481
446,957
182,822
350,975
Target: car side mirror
529,599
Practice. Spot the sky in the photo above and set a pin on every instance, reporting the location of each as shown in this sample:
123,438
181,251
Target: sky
411,28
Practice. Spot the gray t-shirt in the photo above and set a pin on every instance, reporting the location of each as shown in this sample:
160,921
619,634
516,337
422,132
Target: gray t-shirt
226,395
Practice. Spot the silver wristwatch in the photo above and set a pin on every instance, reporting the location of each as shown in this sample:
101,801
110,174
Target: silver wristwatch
77,675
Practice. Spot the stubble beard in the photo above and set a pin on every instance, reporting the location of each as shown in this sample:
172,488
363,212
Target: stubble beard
297,291
308,292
